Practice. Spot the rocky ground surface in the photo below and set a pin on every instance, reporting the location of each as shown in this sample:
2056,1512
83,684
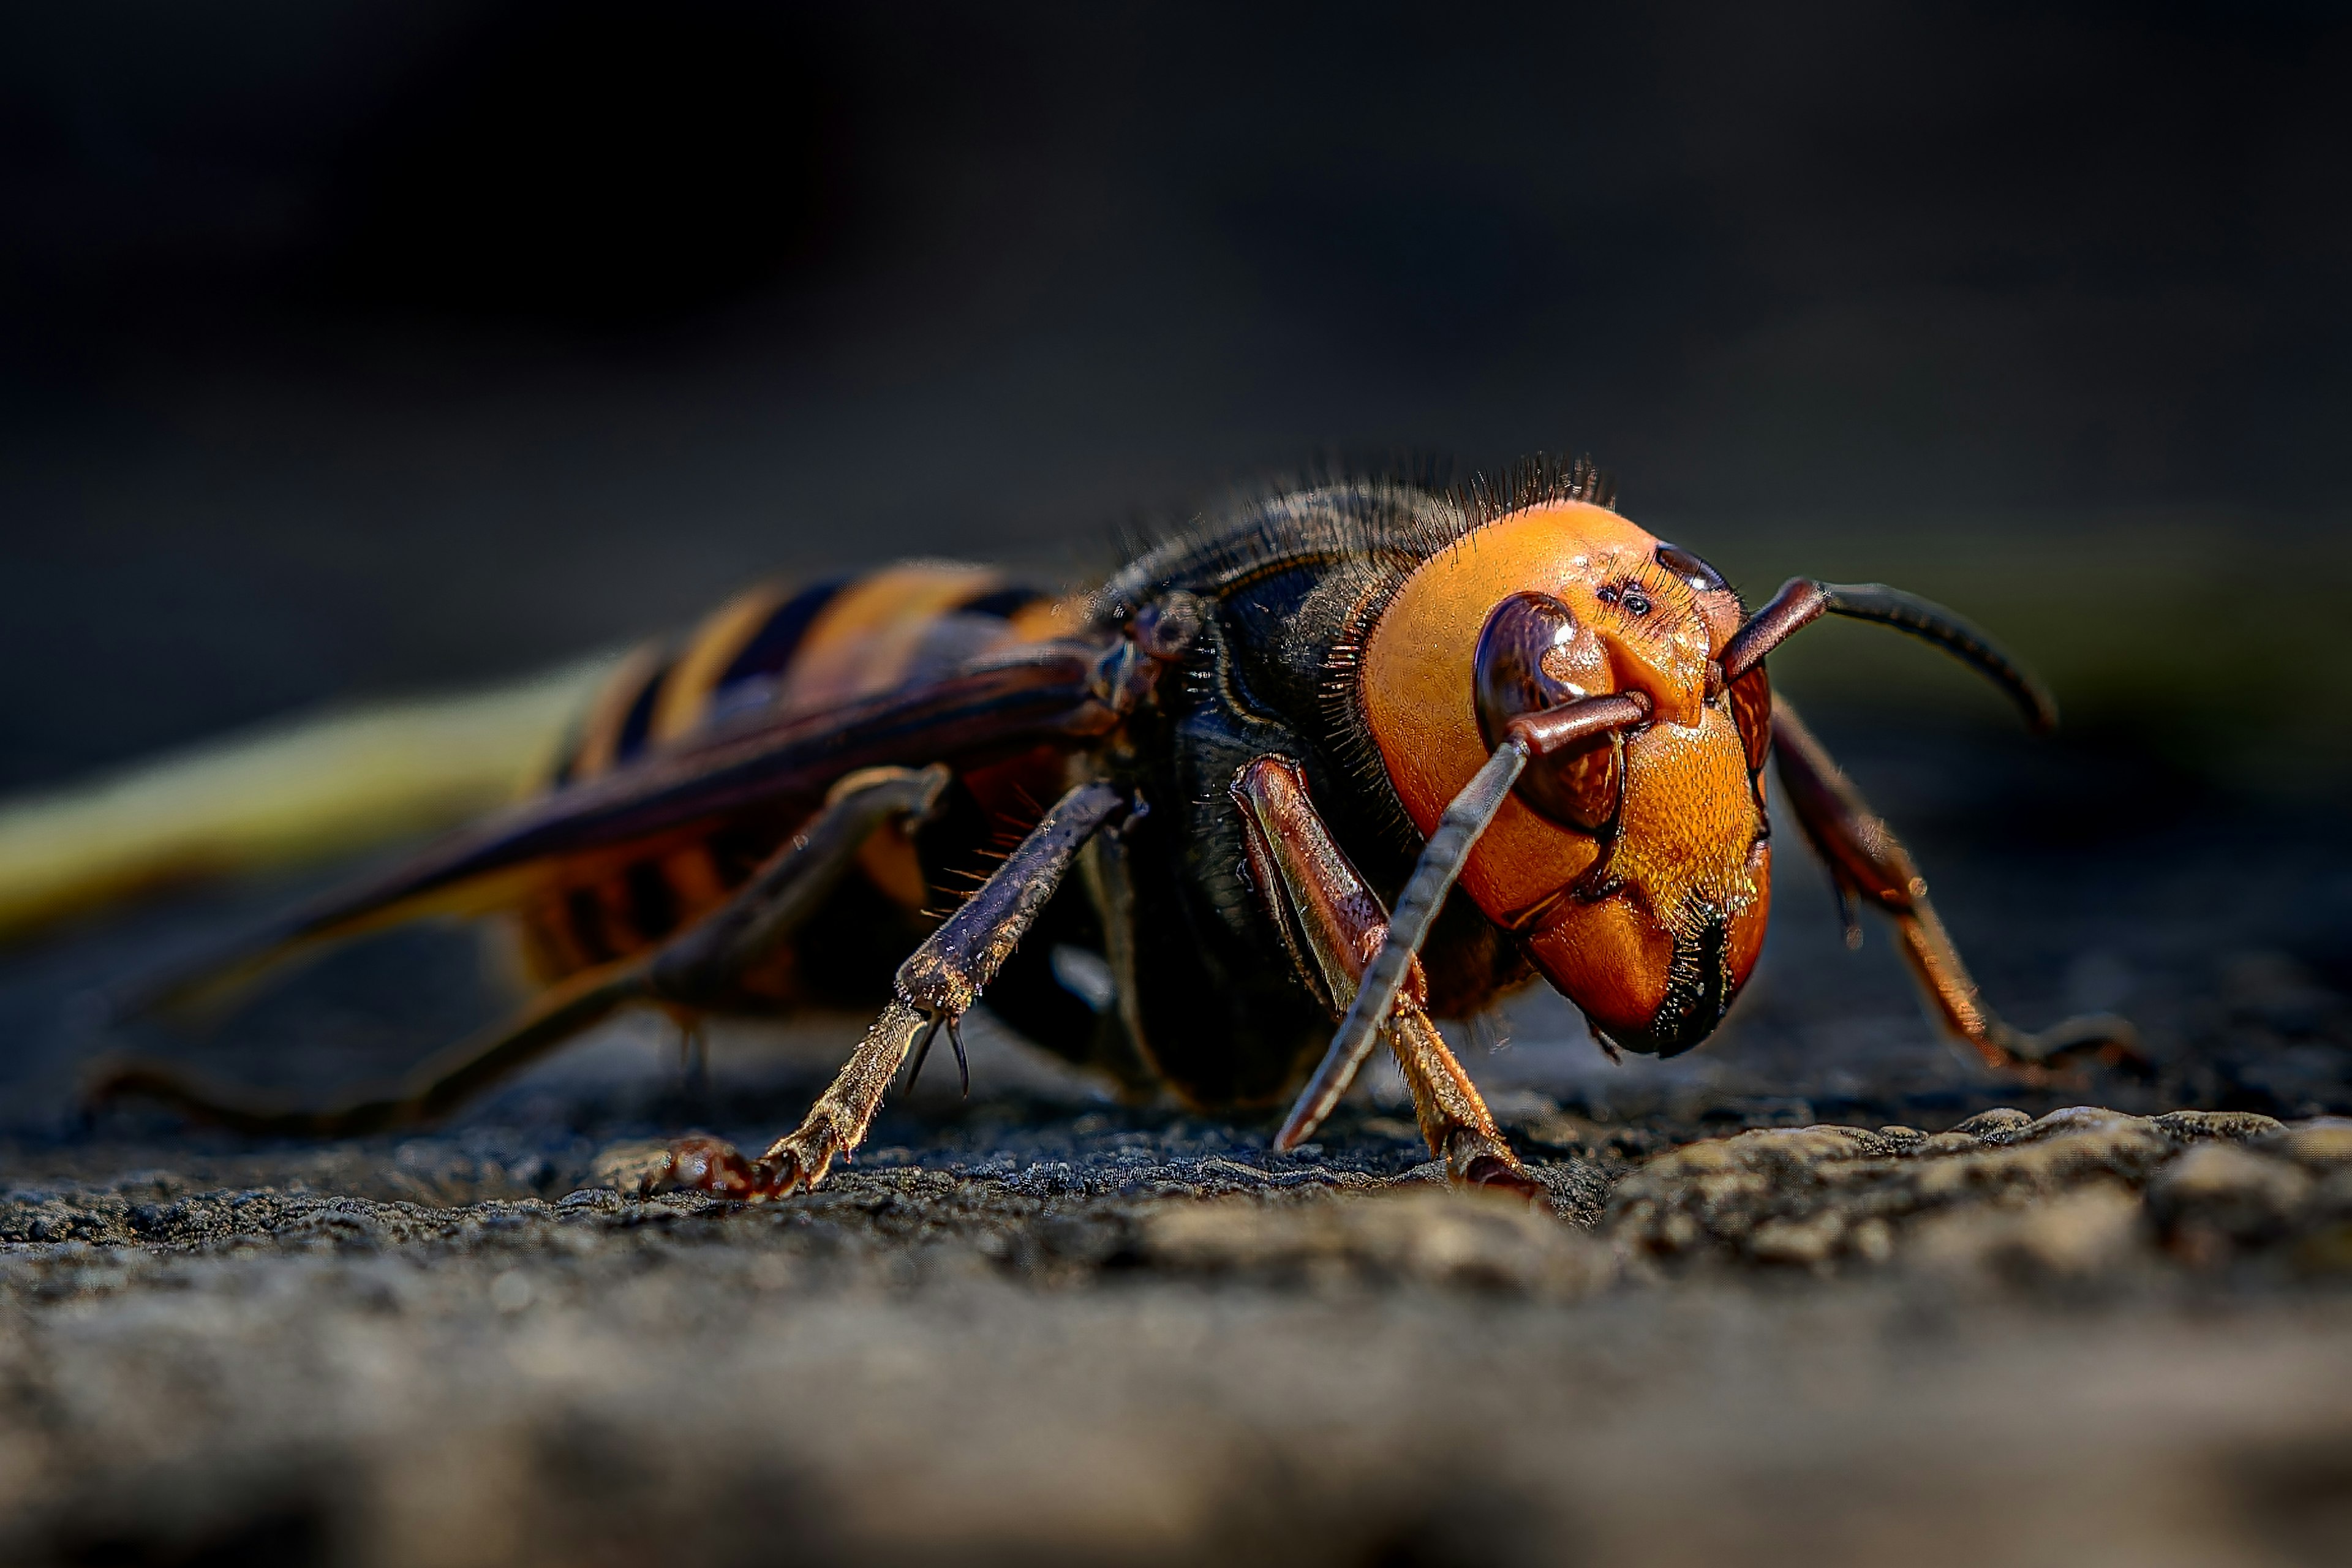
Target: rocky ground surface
1818,1292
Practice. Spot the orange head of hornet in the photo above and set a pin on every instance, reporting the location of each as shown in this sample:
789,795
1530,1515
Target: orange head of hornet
1632,864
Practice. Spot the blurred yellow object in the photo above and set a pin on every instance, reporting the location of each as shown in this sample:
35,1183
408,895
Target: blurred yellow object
307,790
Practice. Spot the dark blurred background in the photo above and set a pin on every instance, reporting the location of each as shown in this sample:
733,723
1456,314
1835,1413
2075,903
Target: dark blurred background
349,346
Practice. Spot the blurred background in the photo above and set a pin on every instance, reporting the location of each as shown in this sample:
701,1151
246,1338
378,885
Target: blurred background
352,349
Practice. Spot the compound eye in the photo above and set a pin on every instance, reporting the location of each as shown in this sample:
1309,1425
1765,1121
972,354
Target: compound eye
1532,655
1691,569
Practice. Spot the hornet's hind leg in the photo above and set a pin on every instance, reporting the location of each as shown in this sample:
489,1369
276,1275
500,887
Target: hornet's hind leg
694,971
936,987
1867,863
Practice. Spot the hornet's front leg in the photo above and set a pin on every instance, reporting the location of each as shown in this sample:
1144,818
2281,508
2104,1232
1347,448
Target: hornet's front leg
1867,863
936,987
1333,926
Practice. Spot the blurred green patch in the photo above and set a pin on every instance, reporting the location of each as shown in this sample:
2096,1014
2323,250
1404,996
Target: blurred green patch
2217,643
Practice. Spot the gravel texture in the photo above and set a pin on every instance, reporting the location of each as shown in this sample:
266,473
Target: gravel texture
1818,1292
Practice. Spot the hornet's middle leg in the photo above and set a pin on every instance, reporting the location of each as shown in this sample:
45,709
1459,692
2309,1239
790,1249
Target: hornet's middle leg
936,987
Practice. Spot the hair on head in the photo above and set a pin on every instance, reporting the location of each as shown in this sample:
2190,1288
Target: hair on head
1535,482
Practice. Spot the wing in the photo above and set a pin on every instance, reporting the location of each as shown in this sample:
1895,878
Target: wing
1058,692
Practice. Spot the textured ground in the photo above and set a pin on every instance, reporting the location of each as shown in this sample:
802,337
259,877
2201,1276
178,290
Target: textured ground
1818,1292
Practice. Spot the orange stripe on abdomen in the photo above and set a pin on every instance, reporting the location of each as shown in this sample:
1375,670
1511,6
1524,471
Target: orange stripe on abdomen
713,649
818,647
868,638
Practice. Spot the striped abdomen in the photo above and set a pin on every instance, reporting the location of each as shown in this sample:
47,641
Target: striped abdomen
775,650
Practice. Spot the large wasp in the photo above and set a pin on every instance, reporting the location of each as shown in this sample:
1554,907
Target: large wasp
1370,751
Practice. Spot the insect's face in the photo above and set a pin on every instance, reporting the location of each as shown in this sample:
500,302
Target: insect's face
1634,872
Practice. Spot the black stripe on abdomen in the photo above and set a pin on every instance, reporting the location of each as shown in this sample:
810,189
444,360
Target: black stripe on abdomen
772,646
652,901
638,722
585,913
751,676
